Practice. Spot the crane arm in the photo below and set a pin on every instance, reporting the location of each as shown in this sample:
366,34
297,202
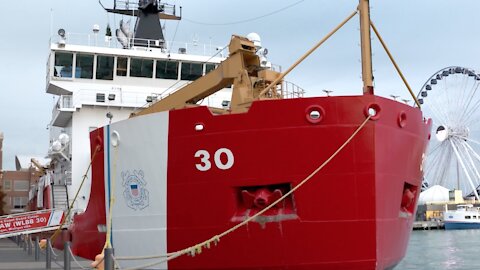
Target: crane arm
240,69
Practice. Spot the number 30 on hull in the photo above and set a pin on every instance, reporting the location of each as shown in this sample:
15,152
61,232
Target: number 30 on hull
205,163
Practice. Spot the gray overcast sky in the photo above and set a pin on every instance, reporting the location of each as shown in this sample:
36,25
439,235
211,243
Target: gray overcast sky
424,36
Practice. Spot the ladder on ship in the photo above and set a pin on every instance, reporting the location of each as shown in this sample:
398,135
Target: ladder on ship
60,197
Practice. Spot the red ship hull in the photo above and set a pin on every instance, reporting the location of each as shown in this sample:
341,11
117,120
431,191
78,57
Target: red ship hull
350,215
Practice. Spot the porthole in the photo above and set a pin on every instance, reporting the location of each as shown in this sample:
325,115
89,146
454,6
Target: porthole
315,114
199,127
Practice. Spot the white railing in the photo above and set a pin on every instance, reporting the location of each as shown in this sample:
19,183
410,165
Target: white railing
121,98
63,102
291,90
286,90
133,6
96,40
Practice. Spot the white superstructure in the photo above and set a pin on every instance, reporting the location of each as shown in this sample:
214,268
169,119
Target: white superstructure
100,83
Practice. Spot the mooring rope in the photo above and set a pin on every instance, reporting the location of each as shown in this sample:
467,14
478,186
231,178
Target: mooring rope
67,216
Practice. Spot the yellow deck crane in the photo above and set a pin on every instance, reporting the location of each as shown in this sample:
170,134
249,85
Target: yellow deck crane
241,70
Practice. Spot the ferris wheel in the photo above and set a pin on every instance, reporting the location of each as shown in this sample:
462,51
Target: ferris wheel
451,98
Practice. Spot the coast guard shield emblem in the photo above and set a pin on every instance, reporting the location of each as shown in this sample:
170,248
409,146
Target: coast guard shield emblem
135,192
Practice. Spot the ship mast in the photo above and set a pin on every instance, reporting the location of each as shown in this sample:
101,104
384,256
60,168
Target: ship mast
367,74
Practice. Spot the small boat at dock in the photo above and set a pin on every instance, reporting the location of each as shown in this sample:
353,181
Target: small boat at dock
465,217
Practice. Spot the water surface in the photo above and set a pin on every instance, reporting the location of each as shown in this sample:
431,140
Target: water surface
439,249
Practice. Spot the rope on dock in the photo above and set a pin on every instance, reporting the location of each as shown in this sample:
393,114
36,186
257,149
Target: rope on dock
49,246
75,259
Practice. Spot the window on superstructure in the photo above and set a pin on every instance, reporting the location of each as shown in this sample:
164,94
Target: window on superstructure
122,63
141,67
167,70
84,66
63,65
191,71
104,67
209,67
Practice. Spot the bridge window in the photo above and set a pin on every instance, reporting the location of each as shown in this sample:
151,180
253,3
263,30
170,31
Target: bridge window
191,71
63,64
167,70
84,66
141,67
104,67
122,64
209,67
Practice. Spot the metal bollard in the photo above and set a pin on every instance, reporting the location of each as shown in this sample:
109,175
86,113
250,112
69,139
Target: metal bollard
24,242
37,248
108,260
48,255
29,245
67,260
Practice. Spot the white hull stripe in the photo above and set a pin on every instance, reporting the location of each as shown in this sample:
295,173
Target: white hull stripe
138,186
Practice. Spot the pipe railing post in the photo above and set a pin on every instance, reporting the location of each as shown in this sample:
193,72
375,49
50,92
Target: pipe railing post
24,242
29,245
108,259
66,256
37,248
48,255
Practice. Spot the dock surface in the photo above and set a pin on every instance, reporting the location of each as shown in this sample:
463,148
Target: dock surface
13,257
428,225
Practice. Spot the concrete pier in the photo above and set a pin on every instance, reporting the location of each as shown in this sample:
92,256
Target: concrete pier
13,257
428,225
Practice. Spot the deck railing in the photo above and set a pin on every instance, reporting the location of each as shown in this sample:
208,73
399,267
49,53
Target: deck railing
97,40
63,102
291,90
